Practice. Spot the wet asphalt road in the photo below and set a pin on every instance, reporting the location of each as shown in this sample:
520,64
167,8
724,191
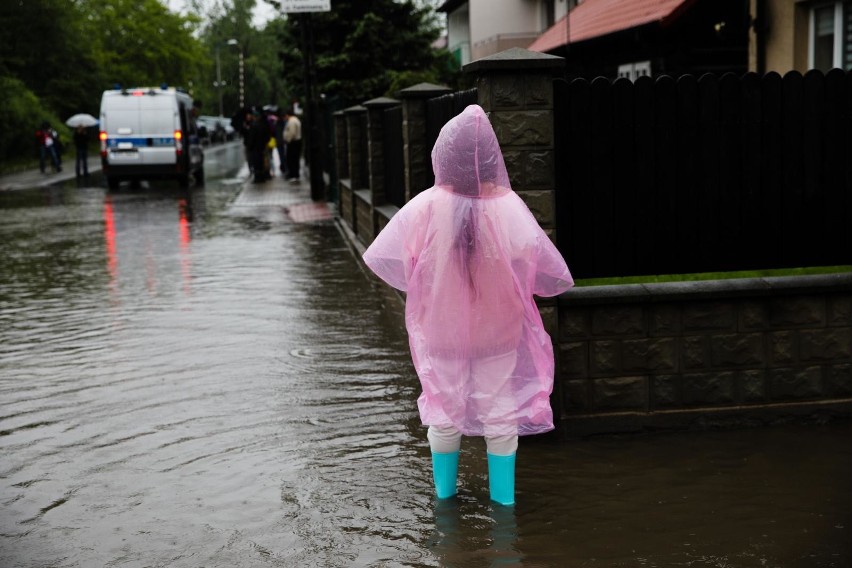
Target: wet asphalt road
192,378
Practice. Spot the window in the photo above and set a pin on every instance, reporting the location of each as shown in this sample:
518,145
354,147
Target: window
633,71
831,36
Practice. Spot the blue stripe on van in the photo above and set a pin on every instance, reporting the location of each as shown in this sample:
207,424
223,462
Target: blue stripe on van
140,141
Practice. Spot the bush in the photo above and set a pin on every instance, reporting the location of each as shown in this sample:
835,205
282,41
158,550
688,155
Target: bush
20,117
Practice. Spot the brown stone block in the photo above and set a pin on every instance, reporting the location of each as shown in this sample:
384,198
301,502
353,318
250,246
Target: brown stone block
573,323
797,311
620,393
541,204
574,360
538,91
577,395
709,316
665,391
651,355
618,320
538,169
832,344
695,352
795,383
840,310
838,380
663,320
604,357
709,388
507,91
753,316
753,385
782,348
523,128
736,350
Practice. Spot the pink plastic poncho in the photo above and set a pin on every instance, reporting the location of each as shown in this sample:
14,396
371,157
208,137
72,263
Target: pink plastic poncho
470,255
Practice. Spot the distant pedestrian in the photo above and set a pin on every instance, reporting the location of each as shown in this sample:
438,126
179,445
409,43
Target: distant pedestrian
48,147
470,256
280,144
293,139
81,146
257,145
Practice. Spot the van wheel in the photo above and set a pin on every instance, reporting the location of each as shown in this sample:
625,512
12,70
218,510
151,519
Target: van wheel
112,182
183,180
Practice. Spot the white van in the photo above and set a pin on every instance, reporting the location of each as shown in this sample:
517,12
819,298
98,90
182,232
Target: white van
149,133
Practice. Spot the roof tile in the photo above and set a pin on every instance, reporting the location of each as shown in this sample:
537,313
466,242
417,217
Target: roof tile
594,18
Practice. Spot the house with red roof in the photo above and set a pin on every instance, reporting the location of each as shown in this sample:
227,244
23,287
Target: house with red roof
632,38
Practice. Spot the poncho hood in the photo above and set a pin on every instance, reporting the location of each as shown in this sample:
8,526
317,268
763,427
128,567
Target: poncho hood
466,157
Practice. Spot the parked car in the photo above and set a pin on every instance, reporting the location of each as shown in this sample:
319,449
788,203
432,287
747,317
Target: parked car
218,127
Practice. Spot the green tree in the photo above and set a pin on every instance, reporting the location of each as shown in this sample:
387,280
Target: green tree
140,42
367,48
229,20
42,46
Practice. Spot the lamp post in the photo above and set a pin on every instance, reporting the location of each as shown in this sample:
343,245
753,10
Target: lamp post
234,42
218,83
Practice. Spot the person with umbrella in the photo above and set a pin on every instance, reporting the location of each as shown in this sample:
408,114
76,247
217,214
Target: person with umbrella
80,123
81,145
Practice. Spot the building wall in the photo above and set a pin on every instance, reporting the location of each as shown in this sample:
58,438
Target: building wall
458,34
786,36
497,26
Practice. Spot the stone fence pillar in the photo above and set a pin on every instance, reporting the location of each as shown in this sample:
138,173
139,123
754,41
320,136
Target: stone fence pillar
416,150
356,146
375,141
515,88
341,145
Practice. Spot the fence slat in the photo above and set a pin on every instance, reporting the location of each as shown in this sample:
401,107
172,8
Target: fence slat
752,232
577,164
644,174
770,221
664,221
602,162
707,197
623,169
730,191
688,204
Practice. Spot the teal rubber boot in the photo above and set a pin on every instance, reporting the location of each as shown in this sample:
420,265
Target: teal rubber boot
501,478
445,471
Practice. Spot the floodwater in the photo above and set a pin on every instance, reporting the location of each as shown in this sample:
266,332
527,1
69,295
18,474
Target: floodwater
184,383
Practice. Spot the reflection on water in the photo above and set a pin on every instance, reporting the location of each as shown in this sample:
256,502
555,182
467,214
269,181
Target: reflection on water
183,386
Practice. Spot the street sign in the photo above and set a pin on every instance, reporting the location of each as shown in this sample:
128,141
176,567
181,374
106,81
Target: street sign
305,6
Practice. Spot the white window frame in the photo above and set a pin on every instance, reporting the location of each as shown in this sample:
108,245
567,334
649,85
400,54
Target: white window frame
837,55
635,70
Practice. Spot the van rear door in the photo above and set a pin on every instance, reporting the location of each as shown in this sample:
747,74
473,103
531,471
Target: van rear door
141,128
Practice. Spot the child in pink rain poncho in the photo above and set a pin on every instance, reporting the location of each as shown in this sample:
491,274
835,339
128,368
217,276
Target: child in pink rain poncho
470,255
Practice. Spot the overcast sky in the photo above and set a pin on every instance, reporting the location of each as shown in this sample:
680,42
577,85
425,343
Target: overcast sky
263,12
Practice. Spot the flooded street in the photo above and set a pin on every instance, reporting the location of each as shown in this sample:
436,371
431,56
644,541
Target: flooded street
185,382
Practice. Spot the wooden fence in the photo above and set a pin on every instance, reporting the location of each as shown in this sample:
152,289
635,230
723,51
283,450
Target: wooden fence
704,174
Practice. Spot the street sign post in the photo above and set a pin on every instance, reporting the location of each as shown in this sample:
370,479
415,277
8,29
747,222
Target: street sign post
304,9
305,6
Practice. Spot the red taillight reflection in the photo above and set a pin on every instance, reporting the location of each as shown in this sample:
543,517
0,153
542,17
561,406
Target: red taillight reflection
111,253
